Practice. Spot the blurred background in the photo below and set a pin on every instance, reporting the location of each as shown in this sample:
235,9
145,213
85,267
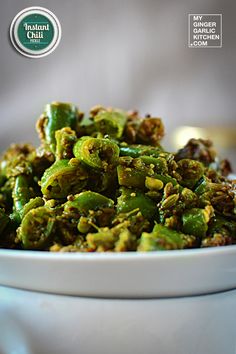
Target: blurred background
131,54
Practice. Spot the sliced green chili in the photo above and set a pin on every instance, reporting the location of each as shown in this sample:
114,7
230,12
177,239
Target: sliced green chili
64,177
88,200
97,153
131,199
163,238
58,115
37,229
110,123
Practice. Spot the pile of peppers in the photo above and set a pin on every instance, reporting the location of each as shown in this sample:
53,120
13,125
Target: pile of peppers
103,182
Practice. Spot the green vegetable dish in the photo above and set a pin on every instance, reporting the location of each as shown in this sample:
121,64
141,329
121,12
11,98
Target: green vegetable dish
103,182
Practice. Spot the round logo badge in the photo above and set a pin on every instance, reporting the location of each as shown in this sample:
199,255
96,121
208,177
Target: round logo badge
35,32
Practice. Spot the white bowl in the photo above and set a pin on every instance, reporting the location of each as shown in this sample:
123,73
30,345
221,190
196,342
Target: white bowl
122,275
150,303
41,323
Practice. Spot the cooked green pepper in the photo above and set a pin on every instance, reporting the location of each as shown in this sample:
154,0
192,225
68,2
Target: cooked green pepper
160,163
21,195
65,140
110,123
64,177
97,153
130,176
86,201
58,115
139,150
37,229
133,172
195,221
32,204
131,199
163,238
202,185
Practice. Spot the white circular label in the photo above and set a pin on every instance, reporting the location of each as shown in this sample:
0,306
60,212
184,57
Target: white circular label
35,32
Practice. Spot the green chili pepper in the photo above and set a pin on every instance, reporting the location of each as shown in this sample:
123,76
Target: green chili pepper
65,140
32,204
131,199
131,177
86,201
160,164
163,238
133,172
21,195
37,229
97,153
58,115
110,123
139,150
64,177
195,221
201,186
